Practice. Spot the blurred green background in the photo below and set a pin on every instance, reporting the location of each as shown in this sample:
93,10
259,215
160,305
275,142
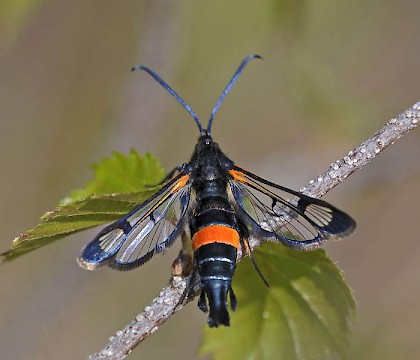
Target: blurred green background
333,73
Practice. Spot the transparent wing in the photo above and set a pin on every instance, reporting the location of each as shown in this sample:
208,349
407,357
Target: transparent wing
278,213
148,229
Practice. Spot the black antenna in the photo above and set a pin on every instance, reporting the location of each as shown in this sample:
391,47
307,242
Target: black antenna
228,87
172,92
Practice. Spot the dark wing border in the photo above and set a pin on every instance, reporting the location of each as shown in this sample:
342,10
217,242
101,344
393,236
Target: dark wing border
316,219
104,248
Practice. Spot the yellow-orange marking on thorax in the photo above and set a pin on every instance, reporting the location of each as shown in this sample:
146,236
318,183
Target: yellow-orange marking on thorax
237,175
181,182
215,234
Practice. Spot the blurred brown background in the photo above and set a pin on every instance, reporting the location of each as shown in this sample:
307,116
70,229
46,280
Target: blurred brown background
334,72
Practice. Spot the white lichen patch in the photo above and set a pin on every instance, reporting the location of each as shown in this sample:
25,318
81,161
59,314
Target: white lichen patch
168,301
149,314
332,174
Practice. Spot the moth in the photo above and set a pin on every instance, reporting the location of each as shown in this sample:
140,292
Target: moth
219,204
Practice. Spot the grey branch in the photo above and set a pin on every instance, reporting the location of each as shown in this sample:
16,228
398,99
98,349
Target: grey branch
165,304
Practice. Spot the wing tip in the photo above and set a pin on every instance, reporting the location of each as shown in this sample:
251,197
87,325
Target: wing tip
350,230
347,228
88,265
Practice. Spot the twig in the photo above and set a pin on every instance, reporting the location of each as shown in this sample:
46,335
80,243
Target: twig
165,304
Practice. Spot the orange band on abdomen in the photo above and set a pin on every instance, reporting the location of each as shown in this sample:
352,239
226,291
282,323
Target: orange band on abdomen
215,234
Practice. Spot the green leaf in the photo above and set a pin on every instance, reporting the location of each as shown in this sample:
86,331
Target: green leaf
304,314
120,183
121,173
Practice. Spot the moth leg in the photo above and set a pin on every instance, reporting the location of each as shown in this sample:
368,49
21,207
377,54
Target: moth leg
188,287
233,299
202,302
